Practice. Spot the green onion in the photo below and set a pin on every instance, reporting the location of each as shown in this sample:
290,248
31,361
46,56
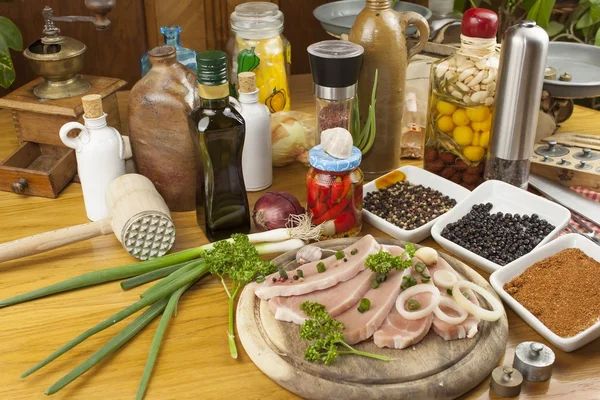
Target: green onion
449,291
157,340
283,273
121,315
420,267
259,279
354,251
300,273
381,278
466,295
408,281
321,267
339,255
374,283
425,280
111,346
413,305
364,305
150,276
175,275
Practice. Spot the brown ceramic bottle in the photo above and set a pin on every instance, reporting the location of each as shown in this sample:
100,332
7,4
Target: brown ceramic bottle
163,150
381,32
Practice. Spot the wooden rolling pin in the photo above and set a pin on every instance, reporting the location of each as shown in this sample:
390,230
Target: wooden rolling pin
139,218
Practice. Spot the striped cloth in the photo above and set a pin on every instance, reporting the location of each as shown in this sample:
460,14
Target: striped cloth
592,195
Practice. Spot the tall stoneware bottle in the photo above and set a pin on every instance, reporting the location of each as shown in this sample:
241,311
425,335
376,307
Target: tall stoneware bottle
163,150
381,32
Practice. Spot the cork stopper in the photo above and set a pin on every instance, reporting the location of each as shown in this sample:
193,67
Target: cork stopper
92,106
247,81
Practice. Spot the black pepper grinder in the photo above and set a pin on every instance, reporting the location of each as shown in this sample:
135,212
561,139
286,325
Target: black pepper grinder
335,66
520,80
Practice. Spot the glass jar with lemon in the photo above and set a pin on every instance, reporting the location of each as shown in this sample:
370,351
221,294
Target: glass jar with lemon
257,44
461,103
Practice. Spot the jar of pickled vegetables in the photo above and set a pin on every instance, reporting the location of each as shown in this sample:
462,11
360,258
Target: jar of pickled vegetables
461,103
335,193
258,45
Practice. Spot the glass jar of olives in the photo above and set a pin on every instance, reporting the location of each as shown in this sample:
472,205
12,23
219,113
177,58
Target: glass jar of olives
461,103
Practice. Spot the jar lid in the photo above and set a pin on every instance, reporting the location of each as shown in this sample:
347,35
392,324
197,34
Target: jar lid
257,20
335,63
319,159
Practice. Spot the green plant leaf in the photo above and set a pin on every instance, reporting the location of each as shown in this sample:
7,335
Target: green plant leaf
11,34
597,40
554,28
540,12
7,71
584,21
534,10
595,10
527,4
459,5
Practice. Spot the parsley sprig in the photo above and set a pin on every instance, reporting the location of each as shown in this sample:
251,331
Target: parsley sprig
239,261
383,262
327,335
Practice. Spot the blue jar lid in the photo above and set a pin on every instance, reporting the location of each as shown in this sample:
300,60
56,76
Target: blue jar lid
318,158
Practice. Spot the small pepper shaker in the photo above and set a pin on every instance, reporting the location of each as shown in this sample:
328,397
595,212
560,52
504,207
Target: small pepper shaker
534,360
506,381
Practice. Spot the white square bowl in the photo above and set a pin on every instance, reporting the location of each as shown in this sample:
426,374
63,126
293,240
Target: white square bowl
416,176
507,199
517,267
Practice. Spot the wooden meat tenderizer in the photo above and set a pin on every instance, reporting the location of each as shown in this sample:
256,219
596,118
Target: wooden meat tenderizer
139,218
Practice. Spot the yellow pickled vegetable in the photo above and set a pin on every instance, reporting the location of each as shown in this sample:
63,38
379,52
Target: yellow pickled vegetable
271,77
478,114
484,140
445,124
445,108
474,153
476,139
459,117
463,135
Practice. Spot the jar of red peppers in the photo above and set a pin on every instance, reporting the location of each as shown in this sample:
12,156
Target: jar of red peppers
335,188
461,102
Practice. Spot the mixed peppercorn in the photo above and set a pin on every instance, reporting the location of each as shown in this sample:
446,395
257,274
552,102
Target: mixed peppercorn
498,237
406,205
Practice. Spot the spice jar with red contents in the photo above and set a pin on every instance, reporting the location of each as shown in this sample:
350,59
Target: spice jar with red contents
461,102
335,189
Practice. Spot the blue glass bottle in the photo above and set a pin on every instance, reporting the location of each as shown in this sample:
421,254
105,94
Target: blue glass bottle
172,37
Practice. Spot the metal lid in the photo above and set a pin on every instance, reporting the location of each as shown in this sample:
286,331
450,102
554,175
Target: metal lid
257,20
335,64
212,67
534,360
54,48
517,100
506,381
319,159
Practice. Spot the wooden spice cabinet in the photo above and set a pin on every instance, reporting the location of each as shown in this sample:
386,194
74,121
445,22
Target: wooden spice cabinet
43,162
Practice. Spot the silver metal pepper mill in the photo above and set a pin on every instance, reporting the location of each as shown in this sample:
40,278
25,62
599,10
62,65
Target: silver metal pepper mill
520,80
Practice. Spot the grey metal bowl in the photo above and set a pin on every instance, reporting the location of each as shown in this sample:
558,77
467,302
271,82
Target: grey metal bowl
339,16
582,62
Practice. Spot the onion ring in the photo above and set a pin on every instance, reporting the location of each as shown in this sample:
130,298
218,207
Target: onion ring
445,278
448,302
477,311
414,290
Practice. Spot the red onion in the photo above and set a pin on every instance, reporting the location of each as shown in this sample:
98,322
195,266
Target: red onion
273,209
479,23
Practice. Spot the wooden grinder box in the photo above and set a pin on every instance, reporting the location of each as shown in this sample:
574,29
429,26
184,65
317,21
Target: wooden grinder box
43,165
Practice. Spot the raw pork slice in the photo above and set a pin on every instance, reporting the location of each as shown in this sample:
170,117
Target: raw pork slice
336,271
398,332
469,327
336,299
361,326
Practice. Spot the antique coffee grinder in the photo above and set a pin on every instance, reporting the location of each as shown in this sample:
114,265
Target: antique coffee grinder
43,165
59,59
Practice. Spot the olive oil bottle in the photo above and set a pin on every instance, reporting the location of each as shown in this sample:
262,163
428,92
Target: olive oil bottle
219,135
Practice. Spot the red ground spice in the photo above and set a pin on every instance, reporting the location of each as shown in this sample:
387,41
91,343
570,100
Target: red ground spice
562,291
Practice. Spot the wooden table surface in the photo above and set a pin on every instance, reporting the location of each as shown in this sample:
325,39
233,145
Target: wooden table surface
194,361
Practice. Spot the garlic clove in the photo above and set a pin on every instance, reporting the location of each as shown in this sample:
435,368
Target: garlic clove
428,255
337,142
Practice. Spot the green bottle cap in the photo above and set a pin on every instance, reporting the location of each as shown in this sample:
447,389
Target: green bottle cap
212,67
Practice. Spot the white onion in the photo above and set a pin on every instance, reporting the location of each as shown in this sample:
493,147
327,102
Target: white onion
412,291
444,278
448,302
481,313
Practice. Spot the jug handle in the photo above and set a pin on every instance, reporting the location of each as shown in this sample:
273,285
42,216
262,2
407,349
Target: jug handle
413,18
77,142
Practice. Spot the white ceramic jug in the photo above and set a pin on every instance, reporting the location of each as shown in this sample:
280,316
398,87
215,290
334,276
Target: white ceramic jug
100,155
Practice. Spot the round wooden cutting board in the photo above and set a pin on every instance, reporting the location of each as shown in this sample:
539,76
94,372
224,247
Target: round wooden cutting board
431,369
